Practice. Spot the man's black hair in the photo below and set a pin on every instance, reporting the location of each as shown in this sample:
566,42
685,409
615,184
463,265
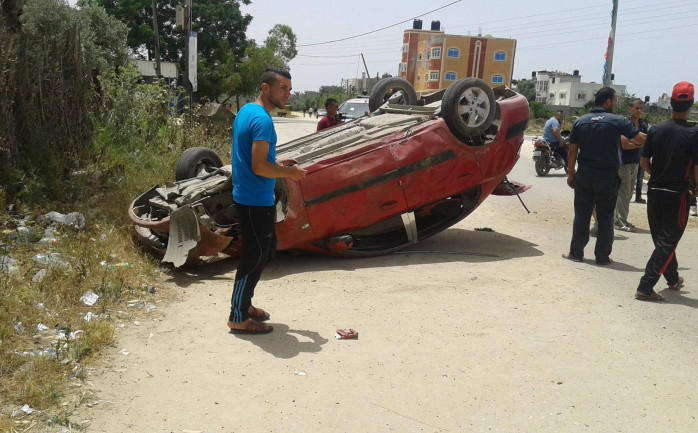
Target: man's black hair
270,74
681,106
330,102
603,95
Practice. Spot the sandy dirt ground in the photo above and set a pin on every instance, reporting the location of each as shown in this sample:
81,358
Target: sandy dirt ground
468,331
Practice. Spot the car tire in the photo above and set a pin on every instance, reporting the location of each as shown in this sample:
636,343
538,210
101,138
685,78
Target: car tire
542,167
387,87
193,160
468,107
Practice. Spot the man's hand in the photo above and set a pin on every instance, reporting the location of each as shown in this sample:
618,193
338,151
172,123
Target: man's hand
295,172
570,179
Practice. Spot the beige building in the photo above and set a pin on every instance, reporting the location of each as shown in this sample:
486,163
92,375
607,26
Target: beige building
432,60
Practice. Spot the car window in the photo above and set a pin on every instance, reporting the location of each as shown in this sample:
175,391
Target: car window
354,109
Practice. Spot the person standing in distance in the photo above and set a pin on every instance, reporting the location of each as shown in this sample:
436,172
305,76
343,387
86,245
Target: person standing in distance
330,119
670,156
255,171
595,146
630,161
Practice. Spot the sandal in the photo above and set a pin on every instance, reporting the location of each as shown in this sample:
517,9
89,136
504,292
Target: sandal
654,296
568,256
257,314
677,285
251,326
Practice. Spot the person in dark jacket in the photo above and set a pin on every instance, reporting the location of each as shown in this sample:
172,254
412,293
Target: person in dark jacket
595,146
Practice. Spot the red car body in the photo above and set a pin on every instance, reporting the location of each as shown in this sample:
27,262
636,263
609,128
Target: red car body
374,185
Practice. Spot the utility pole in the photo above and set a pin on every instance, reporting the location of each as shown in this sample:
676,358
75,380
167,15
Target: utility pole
157,40
608,65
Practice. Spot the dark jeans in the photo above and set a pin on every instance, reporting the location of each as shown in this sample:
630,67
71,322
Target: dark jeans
667,214
560,150
258,235
638,185
594,187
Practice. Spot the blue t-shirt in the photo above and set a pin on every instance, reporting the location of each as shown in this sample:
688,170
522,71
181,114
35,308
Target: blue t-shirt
548,130
252,123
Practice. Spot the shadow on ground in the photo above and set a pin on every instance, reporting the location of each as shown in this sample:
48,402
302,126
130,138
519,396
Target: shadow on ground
284,342
452,245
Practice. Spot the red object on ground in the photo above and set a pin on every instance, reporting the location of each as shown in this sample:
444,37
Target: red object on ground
346,334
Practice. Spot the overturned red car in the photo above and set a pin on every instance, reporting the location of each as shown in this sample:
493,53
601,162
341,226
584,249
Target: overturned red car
379,183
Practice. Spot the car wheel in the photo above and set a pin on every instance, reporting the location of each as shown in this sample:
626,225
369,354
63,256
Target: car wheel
542,167
387,89
468,108
194,160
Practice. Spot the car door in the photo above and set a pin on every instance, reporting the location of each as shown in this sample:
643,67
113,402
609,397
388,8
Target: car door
433,165
353,192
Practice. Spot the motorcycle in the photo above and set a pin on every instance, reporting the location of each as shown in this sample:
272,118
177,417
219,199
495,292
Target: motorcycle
545,156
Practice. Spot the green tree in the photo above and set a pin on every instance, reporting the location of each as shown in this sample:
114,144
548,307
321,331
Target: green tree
282,41
525,87
279,48
220,27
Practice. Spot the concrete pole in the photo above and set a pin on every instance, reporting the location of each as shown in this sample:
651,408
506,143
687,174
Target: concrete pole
608,66
157,40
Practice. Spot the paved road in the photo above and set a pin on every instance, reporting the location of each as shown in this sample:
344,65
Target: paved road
469,331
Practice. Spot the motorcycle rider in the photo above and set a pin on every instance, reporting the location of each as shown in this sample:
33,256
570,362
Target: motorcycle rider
551,134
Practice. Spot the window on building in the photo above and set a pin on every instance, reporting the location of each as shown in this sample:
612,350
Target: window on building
581,96
450,76
436,53
419,57
563,95
405,48
500,56
497,79
433,75
418,78
453,52
551,96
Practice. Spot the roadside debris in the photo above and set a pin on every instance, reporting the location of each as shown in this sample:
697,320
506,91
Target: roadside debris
8,265
346,334
89,298
53,260
74,220
39,276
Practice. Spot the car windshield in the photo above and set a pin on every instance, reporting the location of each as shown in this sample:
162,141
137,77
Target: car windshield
354,108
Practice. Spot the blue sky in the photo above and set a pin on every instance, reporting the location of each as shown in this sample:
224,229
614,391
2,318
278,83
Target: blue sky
655,40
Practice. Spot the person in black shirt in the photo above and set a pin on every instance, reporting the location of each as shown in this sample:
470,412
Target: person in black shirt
595,146
669,156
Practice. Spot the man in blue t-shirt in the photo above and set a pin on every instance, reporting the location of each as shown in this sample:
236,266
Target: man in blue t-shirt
551,134
595,147
255,171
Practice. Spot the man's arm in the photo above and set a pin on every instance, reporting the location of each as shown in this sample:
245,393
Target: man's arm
646,165
262,167
571,163
556,133
629,144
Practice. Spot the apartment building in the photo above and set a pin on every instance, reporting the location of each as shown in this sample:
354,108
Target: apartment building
432,60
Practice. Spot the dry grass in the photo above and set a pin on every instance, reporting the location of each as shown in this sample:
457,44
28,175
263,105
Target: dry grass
38,367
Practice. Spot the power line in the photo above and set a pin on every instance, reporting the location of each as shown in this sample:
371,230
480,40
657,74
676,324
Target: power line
378,30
